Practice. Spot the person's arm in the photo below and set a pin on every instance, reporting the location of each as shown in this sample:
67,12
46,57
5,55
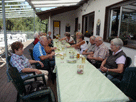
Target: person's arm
71,42
53,48
90,53
78,44
103,62
34,61
31,70
85,52
119,69
96,58
63,38
47,56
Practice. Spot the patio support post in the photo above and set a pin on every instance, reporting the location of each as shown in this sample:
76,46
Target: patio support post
49,25
5,33
34,22
119,21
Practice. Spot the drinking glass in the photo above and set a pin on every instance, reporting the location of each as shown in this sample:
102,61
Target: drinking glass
80,69
83,59
62,58
78,55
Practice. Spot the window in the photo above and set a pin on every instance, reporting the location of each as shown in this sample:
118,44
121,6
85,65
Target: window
122,23
88,23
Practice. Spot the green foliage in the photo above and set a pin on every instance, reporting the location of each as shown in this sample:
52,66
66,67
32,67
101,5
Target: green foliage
24,24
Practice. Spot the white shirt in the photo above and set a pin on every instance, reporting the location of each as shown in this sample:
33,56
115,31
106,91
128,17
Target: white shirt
83,47
71,39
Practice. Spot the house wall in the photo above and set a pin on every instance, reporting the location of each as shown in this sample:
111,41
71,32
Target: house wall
64,18
96,6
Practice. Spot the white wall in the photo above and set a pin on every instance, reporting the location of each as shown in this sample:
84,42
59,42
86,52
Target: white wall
96,6
65,18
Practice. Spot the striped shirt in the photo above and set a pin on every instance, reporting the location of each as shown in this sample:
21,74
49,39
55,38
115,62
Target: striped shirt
101,51
20,62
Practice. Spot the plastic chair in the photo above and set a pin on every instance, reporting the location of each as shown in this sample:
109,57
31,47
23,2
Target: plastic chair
128,82
47,64
20,84
117,79
22,74
128,61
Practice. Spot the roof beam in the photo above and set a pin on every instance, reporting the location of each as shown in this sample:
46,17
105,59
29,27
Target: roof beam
9,1
49,2
15,5
16,8
55,5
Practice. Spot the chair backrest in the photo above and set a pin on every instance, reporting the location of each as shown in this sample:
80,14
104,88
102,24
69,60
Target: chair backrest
128,82
128,62
31,53
17,80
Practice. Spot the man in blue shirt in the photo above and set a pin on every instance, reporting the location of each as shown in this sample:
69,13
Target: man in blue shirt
40,54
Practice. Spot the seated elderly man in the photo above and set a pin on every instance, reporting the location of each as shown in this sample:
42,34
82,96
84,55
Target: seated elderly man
91,48
23,65
114,64
40,54
100,53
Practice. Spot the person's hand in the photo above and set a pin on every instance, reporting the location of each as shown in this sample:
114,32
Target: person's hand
89,57
53,53
38,72
84,53
68,46
66,41
103,69
55,48
42,65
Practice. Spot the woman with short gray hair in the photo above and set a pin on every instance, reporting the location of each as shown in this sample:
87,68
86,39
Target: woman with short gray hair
115,63
117,42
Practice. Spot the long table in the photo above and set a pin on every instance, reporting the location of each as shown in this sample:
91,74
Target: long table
91,86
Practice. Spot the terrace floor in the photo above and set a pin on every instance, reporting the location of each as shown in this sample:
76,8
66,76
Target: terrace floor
8,92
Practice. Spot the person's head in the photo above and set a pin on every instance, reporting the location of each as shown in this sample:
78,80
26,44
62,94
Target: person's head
44,34
67,35
17,47
116,44
98,41
49,39
43,40
40,33
36,35
92,39
49,32
78,35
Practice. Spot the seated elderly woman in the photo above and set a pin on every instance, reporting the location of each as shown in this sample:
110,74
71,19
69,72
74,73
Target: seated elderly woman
23,65
68,38
64,38
80,43
114,64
